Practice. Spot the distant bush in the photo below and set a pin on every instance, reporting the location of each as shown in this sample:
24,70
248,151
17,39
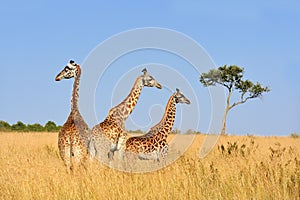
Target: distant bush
175,131
51,127
36,127
190,131
138,131
4,126
19,126
294,135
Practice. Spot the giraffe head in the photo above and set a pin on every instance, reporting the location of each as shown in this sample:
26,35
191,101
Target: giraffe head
148,80
180,98
70,71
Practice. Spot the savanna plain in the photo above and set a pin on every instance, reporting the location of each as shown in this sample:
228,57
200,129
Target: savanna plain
238,167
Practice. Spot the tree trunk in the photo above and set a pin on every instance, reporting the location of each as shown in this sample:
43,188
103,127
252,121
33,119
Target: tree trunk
223,131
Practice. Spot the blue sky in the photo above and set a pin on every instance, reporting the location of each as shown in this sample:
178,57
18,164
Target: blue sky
38,38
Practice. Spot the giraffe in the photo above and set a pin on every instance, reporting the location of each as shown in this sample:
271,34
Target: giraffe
73,137
112,129
153,144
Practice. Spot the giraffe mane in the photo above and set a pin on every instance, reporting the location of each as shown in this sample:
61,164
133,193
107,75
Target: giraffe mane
132,89
164,116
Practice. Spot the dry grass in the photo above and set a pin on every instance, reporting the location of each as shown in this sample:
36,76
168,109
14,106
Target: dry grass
262,168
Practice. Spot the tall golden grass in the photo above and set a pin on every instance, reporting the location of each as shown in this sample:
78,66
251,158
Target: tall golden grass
239,167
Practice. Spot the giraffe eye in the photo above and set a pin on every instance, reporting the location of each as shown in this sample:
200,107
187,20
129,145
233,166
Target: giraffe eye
149,79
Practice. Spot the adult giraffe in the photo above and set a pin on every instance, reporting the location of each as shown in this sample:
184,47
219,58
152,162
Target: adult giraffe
73,137
153,144
112,129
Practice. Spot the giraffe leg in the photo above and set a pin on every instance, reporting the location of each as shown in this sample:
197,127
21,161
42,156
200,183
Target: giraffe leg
79,153
92,149
116,145
64,147
121,142
79,157
164,151
164,154
97,147
130,160
113,148
156,157
121,155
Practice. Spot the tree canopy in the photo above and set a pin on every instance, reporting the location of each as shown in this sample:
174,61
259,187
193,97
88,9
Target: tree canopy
231,77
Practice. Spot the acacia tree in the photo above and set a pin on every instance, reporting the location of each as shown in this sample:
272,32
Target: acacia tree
232,78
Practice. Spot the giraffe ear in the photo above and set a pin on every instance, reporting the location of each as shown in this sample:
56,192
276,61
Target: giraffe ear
144,70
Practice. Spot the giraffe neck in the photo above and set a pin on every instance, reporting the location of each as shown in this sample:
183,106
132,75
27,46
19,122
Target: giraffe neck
164,127
128,104
75,93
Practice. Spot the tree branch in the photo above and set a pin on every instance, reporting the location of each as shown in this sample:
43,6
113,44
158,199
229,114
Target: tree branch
242,101
227,86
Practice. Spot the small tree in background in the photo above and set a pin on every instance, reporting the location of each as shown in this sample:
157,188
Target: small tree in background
4,126
19,126
51,126
35,127
232,78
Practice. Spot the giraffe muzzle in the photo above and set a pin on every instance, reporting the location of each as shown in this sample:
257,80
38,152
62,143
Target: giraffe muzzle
158,86
57,78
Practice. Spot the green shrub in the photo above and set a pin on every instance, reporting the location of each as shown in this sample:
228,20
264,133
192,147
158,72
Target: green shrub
294,135
19,126
4,126
35,127
51,127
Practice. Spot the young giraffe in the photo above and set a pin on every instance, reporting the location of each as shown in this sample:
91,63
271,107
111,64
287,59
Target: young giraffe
73,137
154,143
112,128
